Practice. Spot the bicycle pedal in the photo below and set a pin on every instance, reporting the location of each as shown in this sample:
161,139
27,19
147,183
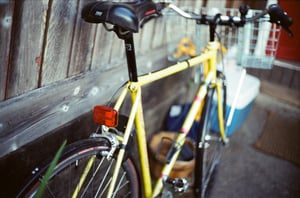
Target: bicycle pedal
179,185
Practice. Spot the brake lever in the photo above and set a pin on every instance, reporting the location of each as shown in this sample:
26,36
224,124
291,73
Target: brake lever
278,16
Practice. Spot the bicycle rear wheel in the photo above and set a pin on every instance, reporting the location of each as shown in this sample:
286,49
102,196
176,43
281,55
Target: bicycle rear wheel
209,145
70,168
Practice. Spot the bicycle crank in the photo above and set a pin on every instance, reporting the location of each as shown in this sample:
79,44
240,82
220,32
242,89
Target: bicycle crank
177,185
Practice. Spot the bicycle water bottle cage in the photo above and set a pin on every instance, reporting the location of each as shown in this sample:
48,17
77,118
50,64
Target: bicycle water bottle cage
125,15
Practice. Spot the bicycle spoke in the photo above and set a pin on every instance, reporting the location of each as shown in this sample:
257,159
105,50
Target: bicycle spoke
105,176
92,178
211,155
123,185
118,186
50,192
105,187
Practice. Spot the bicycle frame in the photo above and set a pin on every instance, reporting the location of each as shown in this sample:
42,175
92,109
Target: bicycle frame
209,59
109,146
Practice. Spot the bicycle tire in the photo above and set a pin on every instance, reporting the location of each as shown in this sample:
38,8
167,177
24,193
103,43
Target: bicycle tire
67,172
209,146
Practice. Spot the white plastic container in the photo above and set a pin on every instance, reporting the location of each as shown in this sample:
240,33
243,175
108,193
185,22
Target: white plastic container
245,97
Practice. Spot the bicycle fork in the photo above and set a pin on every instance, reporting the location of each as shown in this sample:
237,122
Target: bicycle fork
201,181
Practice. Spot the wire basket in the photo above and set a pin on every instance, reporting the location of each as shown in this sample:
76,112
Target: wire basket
257,44
253,45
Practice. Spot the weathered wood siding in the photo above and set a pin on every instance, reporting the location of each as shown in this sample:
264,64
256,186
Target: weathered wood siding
54,66
6,11
283,73
46,41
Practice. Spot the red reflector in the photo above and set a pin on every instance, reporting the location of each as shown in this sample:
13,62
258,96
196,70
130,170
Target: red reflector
105,116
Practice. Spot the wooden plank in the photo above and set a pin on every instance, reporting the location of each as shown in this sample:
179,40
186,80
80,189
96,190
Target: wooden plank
159,33
287,75
36,113
295,82
6,14
48,108
137,39
83,44
58,42
108,49
26,49
253,71
117,53
102,48
283,93
265,74
290,73
144,37
276,74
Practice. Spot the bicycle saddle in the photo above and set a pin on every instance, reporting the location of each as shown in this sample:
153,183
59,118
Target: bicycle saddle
127,15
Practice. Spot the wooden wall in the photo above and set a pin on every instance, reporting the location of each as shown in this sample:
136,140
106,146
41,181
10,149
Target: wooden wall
284,73
54,66
46,41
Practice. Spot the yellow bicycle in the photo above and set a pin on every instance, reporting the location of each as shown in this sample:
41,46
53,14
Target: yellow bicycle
108,164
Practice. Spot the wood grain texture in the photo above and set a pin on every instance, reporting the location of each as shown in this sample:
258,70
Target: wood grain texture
159,33
281,93
43,110
36,113
48,53
46,41
143,39
82,45
26,46
6,15
102,48
58,41
117,51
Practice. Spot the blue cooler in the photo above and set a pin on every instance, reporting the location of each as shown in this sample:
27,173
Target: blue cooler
248,92
244,99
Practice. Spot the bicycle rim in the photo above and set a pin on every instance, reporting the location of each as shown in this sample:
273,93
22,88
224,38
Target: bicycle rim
209,147
69,170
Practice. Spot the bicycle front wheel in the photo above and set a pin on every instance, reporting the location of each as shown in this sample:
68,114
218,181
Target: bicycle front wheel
65,179
209,145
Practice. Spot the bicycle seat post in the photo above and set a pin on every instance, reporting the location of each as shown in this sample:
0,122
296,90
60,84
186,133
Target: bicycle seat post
127,36
131,60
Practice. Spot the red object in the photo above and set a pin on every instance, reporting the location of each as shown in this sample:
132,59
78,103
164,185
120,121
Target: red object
105,116
289,47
